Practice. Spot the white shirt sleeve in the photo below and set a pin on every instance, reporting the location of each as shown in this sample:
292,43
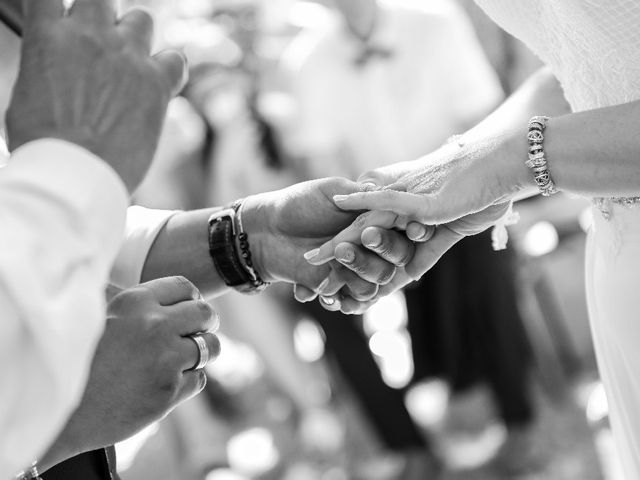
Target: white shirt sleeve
142,227
62,214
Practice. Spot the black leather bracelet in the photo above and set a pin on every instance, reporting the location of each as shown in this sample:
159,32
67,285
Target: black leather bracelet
223,249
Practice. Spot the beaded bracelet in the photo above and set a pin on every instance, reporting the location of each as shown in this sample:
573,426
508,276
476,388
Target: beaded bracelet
537,161
245,248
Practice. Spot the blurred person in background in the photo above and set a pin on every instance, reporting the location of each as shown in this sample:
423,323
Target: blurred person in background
387,82
25,131
73,163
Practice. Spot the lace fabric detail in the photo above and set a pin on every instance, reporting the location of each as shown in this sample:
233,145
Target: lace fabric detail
593,46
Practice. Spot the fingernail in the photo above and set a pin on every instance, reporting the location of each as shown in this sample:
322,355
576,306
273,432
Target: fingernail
340,198
311,254
374,240
370,186
346,255
328,300
324,284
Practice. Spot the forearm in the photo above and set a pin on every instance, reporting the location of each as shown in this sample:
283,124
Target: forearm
593,153
182,248
541,94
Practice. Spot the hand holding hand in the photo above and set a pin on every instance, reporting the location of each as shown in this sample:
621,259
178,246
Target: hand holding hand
88,78
373,231
143,365
446,185
283,226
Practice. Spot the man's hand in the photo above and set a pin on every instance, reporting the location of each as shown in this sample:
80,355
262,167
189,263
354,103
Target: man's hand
88,78
285,225
142,367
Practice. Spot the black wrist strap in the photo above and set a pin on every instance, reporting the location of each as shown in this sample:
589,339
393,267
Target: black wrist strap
222,248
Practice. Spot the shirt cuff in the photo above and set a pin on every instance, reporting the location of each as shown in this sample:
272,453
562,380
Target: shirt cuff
81,183
142,227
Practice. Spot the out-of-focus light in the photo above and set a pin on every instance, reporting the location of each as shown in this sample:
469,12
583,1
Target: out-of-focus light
302,471
129,449
393,349
321,430
471,451
308,341
387,343
335,473
390,313
195,8
237,366
541,239
224,474
427,402
586,219
252,452
308,15
597,406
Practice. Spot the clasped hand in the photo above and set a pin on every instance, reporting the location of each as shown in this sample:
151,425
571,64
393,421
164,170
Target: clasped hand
436,201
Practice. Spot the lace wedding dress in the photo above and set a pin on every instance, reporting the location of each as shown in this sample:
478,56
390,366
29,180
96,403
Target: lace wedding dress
593,47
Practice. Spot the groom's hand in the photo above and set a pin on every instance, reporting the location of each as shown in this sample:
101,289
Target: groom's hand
142,366
285,225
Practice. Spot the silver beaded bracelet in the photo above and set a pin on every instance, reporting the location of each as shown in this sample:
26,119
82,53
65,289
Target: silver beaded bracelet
537,161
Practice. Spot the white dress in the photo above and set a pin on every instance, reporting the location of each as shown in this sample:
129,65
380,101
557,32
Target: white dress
593,47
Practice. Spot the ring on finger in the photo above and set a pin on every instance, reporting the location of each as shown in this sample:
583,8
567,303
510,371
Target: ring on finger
203,351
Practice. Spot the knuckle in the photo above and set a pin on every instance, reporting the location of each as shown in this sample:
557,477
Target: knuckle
365,292
169,385
206,310
361,220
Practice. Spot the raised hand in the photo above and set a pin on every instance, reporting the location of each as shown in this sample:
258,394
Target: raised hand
87,77
142,368
283,226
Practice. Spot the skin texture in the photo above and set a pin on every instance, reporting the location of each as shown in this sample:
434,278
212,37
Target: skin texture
282,226
145,349
79,75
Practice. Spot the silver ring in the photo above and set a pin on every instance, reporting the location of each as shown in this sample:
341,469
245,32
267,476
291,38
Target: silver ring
203,352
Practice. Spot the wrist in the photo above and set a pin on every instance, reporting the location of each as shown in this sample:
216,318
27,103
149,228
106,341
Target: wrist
509,165
63,448
257,215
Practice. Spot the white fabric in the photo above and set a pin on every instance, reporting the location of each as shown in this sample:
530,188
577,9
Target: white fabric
62,214
352,119
142,227
594,48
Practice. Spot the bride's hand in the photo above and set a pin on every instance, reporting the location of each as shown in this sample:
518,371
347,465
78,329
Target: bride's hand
447,184
370,227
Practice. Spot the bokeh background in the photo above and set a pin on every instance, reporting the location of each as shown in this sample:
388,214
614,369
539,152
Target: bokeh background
483,371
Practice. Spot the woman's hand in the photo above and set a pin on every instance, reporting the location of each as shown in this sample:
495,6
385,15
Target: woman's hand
286,224
373,230
448,184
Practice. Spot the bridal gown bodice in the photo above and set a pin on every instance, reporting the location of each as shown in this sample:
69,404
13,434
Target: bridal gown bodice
593,47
